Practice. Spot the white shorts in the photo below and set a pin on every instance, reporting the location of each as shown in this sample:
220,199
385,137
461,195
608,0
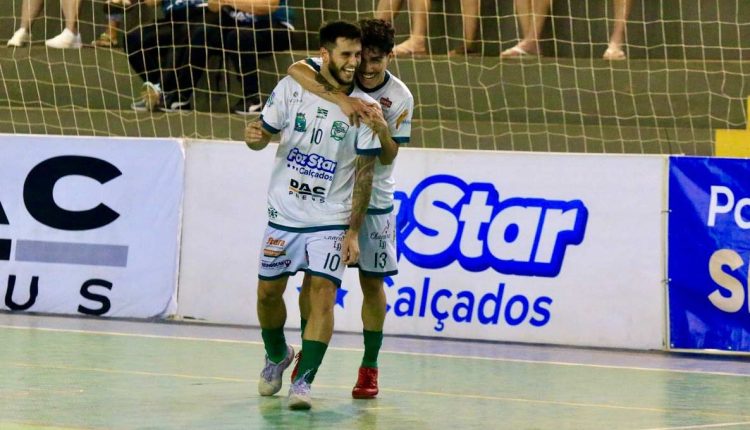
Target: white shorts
377,245
318,253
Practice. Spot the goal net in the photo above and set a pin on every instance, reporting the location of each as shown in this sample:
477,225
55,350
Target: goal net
684,75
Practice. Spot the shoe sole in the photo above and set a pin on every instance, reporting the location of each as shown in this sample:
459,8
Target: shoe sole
364,396
297,404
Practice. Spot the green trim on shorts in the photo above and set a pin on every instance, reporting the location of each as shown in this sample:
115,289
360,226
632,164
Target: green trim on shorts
275,277
376,211
308,229
377,274
331,278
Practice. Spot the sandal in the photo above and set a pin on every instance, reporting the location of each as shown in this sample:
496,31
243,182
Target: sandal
517,52
614,54
404,50
105,41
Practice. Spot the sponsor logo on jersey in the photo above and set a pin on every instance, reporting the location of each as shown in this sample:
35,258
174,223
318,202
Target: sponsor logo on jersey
338,130
300,123
269,102
402,119
322,113
304,191
272,213
312,161
385,102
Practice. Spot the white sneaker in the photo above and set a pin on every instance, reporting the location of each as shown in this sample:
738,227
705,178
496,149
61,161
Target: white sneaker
151,96
20,38
299,395
272,373
64,40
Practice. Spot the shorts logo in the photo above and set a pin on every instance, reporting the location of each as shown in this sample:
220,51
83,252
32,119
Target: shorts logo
300,123
274,247
338,130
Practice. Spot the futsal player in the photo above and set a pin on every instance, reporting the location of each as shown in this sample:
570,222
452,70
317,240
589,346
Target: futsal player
320,188
377,239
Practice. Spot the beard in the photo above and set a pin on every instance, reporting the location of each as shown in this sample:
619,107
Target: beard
336,73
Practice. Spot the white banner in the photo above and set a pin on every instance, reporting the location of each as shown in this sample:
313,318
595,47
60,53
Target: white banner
527,247
90,225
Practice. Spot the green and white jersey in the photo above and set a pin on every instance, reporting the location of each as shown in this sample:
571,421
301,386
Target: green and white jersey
313,174
397,104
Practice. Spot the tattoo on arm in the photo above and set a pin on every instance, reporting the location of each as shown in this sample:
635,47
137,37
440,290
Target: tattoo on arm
327,87
362,190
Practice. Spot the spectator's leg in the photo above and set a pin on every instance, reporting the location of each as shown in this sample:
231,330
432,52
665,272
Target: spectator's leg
614,50
188,58
470,17
70,12
30,9
387,10
416,44
141,47
244,46
531,16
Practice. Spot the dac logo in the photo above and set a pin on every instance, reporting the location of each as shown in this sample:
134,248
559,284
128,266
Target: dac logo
39,202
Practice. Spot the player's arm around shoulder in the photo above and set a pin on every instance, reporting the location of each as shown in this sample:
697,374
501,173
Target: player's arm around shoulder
256,137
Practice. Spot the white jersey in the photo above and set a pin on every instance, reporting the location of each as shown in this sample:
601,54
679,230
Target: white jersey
397,104
313,174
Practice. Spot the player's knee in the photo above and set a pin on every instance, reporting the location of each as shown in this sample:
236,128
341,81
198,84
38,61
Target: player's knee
268,294
372,288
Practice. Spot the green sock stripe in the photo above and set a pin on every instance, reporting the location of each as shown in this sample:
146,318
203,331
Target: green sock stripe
373,342
275,343
312,355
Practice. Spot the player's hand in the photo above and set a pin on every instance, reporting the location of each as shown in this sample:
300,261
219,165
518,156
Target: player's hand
254,135
350,248
353,108
373,118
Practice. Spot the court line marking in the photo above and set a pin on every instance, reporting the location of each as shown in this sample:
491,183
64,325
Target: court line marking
391,390
406,353
702,426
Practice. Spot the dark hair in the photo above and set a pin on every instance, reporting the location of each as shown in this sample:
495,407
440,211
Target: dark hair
331,31
377,33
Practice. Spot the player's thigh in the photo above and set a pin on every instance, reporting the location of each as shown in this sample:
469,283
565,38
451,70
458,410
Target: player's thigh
324,256
282,254
377,246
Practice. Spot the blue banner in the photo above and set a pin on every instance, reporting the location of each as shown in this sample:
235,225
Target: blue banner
709,252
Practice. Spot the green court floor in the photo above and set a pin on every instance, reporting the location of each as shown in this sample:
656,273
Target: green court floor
58,373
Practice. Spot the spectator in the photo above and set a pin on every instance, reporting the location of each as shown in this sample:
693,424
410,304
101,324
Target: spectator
30,10
416,44
470,16
109,38
255,28
532,13
157,47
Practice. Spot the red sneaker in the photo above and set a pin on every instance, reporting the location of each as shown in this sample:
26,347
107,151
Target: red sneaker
367,383
297,359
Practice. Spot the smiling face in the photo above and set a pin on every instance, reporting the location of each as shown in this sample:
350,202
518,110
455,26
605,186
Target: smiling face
371,71
342,61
